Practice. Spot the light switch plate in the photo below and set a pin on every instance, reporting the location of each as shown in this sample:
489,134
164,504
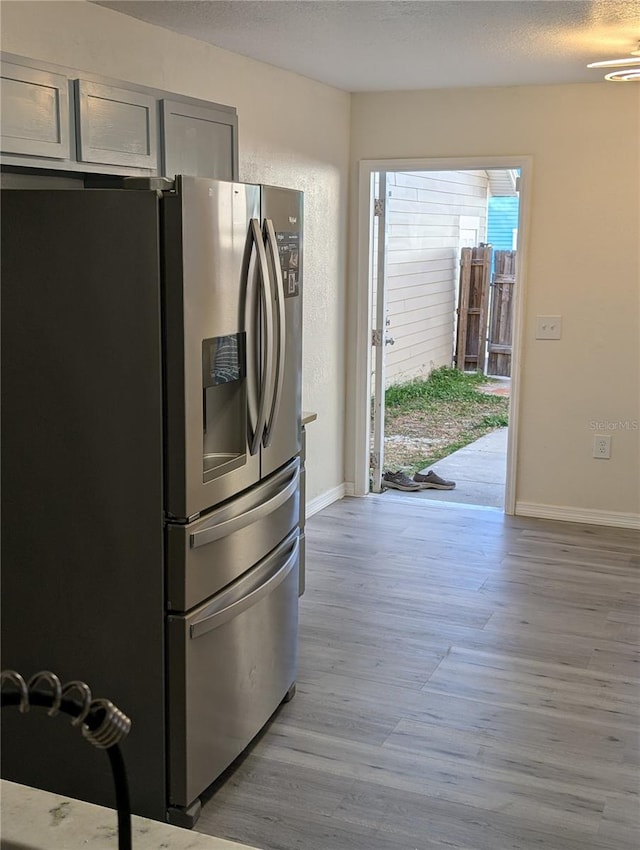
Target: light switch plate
548,327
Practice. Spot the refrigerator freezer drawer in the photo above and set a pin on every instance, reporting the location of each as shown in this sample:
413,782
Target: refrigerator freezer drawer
206,555
231,662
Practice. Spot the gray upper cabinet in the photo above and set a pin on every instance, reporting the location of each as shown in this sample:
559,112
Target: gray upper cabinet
58,119
116,126
35,112
199,141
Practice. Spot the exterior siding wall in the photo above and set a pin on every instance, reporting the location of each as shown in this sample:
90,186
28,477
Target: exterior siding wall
503,220
424,239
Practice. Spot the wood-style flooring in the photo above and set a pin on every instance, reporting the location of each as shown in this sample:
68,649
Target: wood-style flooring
466,680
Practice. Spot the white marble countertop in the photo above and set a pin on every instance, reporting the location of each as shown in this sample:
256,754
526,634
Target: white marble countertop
37,820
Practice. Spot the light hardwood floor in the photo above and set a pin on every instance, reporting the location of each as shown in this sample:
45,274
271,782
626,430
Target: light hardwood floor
466,680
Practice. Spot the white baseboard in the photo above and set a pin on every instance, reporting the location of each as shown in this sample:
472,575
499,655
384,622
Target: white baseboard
324,499
616,519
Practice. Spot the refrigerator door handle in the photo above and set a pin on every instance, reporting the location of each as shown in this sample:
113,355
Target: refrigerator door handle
266,357
257,586
272,244
220,529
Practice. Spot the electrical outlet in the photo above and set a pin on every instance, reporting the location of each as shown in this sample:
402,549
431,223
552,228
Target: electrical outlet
602,446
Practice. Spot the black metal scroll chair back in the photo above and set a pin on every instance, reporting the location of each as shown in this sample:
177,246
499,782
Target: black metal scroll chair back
101,723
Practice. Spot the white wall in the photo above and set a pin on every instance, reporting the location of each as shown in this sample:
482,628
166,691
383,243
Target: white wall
292,132
423,245
583,264
583,239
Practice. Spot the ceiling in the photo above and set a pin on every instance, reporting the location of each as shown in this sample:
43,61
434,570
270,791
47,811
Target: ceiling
358,45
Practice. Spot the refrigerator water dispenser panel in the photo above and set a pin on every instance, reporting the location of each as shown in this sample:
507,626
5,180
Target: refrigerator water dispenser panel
289,251
224,404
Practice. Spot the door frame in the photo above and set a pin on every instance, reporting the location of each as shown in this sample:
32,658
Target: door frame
382,231
361,418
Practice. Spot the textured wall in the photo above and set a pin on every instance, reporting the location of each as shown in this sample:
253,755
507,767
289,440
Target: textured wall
292,132
584,143
582,264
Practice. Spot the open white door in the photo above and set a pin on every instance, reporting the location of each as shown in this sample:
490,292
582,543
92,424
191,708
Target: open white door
369,368
378,325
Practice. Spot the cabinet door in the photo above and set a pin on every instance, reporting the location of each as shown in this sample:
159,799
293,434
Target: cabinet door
35,112
116,126
199,141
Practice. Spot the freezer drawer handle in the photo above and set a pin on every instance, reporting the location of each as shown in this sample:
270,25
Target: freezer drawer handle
212,621
222,529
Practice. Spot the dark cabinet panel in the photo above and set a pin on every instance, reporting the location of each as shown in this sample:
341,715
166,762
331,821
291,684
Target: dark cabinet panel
35,112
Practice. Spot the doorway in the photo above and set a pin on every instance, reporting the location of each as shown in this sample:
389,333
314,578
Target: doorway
376,178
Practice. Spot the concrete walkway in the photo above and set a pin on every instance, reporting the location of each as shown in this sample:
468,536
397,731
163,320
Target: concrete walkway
479,471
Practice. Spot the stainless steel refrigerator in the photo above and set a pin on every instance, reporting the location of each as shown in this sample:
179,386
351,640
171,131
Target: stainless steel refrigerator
151,431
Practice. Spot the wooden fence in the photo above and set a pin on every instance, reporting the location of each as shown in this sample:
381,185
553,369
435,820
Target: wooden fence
501,314
475,265
485,307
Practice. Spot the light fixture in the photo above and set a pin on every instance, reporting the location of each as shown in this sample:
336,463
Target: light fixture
630,75
630,66
614,63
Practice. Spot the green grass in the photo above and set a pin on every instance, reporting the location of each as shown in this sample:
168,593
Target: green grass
444,384
429,419
493,420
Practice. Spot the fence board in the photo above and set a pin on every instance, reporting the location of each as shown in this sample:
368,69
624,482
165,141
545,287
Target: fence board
501,314
475,265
